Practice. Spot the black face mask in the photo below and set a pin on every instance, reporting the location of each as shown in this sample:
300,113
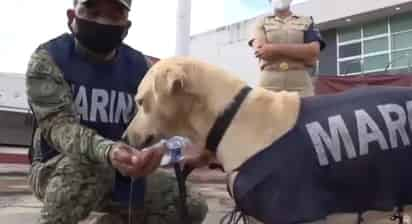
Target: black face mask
99,38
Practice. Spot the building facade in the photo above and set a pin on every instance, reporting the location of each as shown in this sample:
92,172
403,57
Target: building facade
13,96
363,37
15,117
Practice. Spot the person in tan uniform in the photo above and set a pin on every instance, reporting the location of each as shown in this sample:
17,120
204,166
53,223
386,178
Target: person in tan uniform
286,45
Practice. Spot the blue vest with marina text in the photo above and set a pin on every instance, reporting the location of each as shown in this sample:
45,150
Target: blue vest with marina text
103,95
348,153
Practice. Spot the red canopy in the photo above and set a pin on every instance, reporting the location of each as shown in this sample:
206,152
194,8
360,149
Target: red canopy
326,84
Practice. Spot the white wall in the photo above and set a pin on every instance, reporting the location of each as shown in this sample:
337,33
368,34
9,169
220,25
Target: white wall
13,92
15,122
324,11
227,47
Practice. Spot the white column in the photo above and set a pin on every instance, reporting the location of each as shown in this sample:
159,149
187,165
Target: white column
183,28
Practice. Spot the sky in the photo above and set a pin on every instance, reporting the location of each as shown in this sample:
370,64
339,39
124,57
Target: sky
24,24
237,10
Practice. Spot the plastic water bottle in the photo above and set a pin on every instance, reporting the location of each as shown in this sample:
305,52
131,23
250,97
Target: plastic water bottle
174,146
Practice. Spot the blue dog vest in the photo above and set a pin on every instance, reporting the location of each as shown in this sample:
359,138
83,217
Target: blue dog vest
104,99
350,152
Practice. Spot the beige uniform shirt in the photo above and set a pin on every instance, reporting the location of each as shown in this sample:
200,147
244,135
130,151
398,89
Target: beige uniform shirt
284,73
273,29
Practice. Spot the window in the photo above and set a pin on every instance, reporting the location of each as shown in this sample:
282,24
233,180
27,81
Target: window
378,62
402,40
375,46
401,22
350,33
402,59
350,66
350,50
375,28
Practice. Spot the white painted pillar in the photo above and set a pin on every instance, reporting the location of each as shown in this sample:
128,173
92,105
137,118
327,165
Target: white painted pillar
183,28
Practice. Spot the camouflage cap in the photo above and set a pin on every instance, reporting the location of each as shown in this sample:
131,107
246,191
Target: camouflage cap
125,3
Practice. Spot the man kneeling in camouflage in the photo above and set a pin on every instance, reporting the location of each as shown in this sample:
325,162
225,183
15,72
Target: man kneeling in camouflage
81,87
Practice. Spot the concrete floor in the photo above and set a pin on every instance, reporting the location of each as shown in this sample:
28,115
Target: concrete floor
18,206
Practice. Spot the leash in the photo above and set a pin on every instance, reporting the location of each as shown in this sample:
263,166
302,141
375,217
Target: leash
174,156
130,218
398,215
181,177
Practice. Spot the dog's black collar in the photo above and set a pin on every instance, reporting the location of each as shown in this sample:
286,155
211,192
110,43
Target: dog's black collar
222,122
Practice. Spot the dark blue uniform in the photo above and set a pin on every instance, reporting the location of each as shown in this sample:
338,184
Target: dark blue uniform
348,153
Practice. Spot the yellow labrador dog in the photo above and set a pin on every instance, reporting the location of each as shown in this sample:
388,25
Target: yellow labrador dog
291,160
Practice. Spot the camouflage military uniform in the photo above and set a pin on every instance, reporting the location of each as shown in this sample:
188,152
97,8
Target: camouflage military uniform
285,73
79,180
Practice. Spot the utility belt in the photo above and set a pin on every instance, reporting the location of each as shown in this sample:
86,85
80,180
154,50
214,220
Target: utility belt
282,66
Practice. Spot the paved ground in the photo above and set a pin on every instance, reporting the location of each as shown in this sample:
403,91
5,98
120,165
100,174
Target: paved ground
18,206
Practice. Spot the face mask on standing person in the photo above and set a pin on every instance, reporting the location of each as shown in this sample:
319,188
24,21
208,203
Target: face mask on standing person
280,5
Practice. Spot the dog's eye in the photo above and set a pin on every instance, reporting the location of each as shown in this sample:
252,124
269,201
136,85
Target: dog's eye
140,102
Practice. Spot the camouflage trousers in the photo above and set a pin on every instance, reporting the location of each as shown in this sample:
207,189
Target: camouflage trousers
71,191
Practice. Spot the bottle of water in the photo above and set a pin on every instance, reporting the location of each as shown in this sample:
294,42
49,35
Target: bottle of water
174,146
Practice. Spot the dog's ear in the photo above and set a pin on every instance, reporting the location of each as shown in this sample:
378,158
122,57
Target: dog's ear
172,81
175,85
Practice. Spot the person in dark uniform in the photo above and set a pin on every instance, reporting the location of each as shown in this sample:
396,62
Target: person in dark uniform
80,87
